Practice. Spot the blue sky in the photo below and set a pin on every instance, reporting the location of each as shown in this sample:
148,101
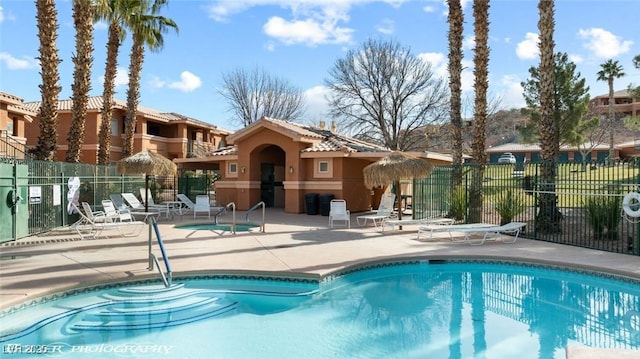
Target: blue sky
300,40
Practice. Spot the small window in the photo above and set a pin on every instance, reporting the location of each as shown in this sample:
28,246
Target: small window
323,166
10,128
233,168
114,127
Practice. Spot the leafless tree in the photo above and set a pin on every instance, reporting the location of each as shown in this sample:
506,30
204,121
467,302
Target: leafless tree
256,93
382,93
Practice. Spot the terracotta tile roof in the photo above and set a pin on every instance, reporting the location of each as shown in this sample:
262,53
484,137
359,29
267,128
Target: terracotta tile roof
95,104
224,151
336,142
319,139
10,98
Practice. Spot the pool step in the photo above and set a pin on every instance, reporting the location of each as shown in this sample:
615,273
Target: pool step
148,308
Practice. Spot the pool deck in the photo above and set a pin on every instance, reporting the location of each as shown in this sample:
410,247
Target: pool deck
297,244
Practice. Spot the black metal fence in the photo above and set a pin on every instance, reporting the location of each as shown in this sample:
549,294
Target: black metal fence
589,201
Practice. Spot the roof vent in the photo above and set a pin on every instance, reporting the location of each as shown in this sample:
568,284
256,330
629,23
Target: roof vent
333,127
321,125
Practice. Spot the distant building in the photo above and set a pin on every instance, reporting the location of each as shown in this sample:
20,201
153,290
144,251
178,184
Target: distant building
14,116
624,105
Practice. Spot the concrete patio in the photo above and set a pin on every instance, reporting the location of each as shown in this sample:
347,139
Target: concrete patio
297,244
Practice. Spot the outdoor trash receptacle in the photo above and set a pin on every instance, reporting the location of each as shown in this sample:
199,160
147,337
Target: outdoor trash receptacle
325,203
311,203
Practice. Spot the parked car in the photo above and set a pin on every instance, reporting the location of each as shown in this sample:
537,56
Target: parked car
507,158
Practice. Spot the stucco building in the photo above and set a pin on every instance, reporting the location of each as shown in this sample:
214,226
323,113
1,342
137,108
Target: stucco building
280,162
14,116
169,134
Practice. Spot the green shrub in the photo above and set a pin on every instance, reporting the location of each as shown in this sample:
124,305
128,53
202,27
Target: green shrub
457,200
509,204
603,215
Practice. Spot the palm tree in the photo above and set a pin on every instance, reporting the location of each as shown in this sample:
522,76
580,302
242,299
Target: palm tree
610,70
116,13
548,215
49,89
456,27
83,20
147,29
481,83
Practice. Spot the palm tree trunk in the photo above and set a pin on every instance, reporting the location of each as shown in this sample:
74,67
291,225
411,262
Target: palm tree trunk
83,19
50,88
133,93
456,27
548,218
481,66
104,136
611,120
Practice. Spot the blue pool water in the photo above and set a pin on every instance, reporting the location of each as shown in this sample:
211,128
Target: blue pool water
400,310
240,227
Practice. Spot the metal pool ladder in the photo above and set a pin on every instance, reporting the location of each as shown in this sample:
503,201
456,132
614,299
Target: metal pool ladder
166,279
256,206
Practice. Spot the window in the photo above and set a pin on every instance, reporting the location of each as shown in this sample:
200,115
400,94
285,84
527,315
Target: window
323,168
233,168
10,128
114,127
153,129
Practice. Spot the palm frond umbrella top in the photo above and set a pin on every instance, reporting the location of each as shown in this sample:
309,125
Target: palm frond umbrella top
394,167
147,162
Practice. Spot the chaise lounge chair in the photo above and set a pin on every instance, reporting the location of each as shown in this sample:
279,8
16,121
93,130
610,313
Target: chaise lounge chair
484,229
384,211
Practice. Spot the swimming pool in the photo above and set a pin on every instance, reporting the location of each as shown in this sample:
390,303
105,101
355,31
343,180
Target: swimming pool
240,227
416,309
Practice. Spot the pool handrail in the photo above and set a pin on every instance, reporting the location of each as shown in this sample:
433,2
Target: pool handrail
166,279
246,216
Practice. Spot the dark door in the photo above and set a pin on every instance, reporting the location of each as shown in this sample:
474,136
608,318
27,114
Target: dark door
267,183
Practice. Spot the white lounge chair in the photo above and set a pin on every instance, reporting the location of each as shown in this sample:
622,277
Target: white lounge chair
96,216
137,206
202,205
187,203
384,211
338,212
88,227
120,215
393,223
160,207
484,229
449,228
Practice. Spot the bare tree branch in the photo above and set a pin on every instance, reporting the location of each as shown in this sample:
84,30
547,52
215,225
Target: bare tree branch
254,94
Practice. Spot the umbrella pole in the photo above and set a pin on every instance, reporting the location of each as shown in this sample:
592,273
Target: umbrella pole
146,193
399,200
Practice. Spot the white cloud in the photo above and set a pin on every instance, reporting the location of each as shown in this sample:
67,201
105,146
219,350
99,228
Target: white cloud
309,31
386,26
576,58
429,8
469,42
122,77
312,22
438,63
527,49
511,92
100,25
188,82
14,63
1,14
316,100
603,43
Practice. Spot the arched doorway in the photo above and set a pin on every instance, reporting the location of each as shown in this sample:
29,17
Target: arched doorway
272,173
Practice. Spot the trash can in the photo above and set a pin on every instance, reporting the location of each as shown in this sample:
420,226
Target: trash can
311,203
325,203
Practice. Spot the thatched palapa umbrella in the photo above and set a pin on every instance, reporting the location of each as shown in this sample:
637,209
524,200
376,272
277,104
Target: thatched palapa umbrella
392,168
147,163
